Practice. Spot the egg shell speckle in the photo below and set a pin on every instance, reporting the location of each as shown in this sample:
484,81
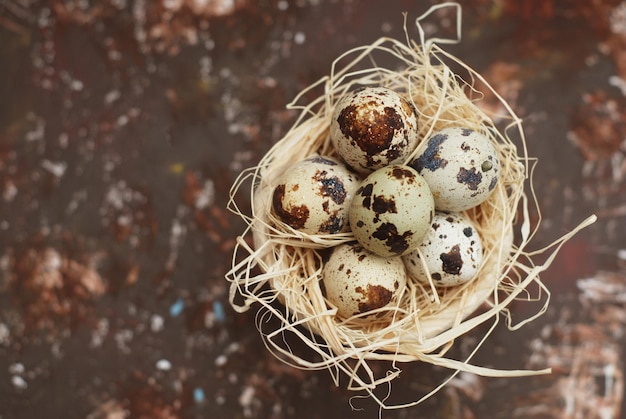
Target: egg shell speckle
391,211
357,281
314,195
461,167
373,127
452,251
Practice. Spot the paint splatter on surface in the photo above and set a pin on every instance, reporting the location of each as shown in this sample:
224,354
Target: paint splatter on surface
124,124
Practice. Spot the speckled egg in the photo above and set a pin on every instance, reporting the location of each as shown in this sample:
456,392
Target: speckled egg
391,210
373,127
452,251
357,281
461,167
314,195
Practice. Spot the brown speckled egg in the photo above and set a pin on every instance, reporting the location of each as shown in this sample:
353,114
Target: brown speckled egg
461,167
452,251
373,127
357,281
391,211
314,195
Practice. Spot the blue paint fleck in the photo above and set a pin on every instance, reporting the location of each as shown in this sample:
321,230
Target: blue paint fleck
177,308
198,395
218,311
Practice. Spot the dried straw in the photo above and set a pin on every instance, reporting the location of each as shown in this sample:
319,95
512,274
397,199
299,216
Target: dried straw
279,268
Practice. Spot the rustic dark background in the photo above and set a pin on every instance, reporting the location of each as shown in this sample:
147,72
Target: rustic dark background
123,124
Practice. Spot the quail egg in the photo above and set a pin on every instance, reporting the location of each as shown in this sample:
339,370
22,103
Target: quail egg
373,127
452,251
314,195
391,211
461,167
357,281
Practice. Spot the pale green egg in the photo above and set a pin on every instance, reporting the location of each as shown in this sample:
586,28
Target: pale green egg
451,253
391,211
313,195
373,127
358,281
461,167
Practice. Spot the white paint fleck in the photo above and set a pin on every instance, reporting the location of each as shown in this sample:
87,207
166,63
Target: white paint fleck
52,260
206,66
213,7
16,368
56,168
99,333
77,198
10,191
118,195
112,96
206,195
18,382
233,347
76,85
240,160
156,323
37,133
122,338
618,82
609,380
221,360
163,365
299,38
245,399
172,4
110,409
122,120
5,335
617,19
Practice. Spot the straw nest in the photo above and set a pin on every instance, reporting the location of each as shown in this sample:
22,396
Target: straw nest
279,268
